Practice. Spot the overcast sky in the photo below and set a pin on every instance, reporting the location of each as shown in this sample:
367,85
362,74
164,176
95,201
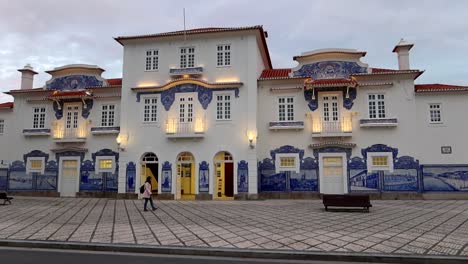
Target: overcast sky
51,33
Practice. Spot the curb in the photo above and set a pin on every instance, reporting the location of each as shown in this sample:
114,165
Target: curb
236,253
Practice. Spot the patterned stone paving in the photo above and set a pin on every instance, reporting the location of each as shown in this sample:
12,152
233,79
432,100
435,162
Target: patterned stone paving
403,227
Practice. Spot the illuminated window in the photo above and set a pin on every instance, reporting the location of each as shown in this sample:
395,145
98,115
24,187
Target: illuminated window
332,166
105,164
287,162
380,161
35,164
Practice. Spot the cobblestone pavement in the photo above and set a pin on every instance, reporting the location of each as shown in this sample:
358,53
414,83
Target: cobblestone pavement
403,227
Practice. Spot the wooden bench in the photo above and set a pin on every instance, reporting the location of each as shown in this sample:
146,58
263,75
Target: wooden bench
346,200
5,198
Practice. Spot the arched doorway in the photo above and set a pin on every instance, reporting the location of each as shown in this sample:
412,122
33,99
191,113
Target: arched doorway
150,167
185,185
224,176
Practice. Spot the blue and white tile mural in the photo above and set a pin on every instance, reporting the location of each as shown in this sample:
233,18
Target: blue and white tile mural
404,177
166,184
48,181
307,178
19,179
445,178
204,177
3,179
242,177
131,177
93,181
360,179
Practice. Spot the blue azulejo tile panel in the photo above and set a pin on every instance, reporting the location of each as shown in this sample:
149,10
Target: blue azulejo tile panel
130,177
445,178
110,181
3,179
242,176
18,178
361,180
204,177
401,180
306,180
270,181
166,184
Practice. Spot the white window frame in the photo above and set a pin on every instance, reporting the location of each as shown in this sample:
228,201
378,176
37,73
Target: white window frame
287,155
108,114
223,106
440,113
152,58
143,99
371,167
39,117
286,108
187,66
98,160
376,105
28,165
2,126
223,55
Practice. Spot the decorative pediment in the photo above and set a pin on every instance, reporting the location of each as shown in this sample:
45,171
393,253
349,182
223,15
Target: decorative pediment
379,148
309,164
287,149
329,69
406,162
357,163
36,153
105,152
74,82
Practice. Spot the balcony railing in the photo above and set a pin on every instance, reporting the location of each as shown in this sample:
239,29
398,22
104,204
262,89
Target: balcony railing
177,127
62,133
343,127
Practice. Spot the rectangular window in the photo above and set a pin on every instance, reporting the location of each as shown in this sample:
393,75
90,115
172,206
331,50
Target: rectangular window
2,126
39,115
108,115
332,166
150,110
35,164
223,107
224,55
435,113
187,57
380,161
105,164
287,162
152,60
286,109
376,106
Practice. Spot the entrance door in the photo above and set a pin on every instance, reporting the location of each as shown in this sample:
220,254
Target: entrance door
186,178
185,188
69,179
332,175
229,179
72,113
149,167
185,114
330,113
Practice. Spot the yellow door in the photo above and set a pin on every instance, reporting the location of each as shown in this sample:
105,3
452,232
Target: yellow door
186,179
143,174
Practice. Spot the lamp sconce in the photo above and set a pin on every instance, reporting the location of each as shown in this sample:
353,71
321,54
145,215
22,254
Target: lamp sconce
251,138
121,138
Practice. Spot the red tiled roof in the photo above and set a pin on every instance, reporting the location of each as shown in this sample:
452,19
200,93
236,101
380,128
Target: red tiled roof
6,105
275,73
437,87
114,81
194,31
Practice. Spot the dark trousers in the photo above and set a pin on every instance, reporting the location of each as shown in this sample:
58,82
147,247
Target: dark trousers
151,202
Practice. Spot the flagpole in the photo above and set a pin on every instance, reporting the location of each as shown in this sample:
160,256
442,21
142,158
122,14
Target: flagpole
185,35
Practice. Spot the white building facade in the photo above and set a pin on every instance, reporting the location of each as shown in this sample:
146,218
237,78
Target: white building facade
204,114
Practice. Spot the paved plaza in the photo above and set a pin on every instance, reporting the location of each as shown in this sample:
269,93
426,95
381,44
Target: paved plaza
438,227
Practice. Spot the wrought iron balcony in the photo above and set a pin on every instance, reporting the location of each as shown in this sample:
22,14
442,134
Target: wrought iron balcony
185,127
62,133
340,127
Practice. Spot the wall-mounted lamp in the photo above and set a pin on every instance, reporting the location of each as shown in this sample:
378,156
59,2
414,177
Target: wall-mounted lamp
121,139
251,138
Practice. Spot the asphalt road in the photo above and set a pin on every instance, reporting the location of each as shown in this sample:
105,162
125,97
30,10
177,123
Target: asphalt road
35,256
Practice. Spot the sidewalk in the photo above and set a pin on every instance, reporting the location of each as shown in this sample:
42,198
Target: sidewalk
411,227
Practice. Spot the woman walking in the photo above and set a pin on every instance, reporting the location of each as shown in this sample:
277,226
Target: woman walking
147,194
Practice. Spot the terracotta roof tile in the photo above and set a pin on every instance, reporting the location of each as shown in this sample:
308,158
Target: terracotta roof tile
57,94
330,82
6,105
275,73
380,70
437,87
114,81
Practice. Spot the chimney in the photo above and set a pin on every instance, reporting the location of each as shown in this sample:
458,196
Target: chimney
402,49
27,77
